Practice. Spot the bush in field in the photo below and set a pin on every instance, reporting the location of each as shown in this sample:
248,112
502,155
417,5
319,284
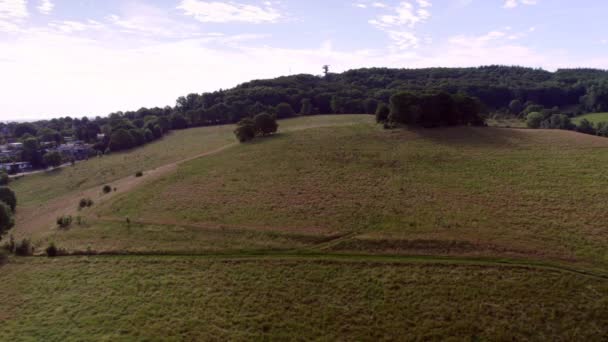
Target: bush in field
534,119
382,112
52,251
85,203
4,179
6,218
8,197
139,174
24,248
106,189
64,221
52,159
265,124
245,130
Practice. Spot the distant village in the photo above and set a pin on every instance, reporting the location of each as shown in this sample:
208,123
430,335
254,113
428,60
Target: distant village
16,157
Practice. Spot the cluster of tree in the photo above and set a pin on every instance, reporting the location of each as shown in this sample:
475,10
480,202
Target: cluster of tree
8,205
510,89
548,120
431,110
262,124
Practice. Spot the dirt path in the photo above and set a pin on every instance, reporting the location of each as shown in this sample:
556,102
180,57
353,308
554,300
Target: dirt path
41,219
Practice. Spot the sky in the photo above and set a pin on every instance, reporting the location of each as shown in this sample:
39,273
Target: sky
90,57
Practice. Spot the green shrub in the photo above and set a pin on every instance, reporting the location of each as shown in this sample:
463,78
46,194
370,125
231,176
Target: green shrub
85,203
64,221
24,248
139,174
106,189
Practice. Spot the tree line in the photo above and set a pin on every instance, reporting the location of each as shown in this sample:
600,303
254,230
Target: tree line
516,91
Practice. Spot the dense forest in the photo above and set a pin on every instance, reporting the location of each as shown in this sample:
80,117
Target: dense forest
504,90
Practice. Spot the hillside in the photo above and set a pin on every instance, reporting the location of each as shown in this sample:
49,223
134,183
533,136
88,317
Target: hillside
333,228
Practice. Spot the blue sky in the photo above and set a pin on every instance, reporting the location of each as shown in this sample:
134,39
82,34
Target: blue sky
91,57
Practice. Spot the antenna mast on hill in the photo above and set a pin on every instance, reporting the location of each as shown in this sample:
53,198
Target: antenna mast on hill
326,70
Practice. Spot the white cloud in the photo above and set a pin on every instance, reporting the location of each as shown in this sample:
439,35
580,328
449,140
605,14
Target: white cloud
13,9
69,26
45,6
223,12
400,24
514,3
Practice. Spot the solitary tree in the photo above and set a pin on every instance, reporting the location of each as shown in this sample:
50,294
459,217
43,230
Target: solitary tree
265,124
382,112
245,130
326,70
52,159
534,119
7,196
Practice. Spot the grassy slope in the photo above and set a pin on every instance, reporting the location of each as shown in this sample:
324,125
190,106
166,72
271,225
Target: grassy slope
593,118
462,191
176,146
466,191
136,298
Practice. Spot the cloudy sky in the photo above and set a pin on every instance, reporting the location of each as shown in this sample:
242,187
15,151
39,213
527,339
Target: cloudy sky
92,57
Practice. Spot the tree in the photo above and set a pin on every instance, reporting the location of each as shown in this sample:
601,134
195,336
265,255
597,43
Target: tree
534,119
586,127
284,110
120,140
25,128
306,107
178,121
265,124
4,178
8,197
515,107
382,112
52,159
31,152
245,130
6,219
557,121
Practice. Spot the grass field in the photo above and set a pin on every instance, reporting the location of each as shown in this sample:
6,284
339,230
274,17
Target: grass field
344,231
466,191
193,298
593,118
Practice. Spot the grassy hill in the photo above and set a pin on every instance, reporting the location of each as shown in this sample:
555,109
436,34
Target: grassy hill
594,118
334,228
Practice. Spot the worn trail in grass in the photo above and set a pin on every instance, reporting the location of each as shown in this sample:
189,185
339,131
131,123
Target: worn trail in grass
44,197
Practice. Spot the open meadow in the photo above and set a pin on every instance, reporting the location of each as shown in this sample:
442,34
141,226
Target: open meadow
594,118
332,229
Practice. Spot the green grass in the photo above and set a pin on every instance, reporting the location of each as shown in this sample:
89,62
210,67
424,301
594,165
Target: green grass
194,298
594,118
457,191
178,145
341,232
